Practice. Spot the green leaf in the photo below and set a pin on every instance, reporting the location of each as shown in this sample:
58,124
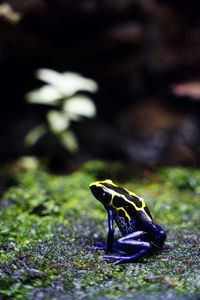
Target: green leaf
76,83
51,77
69,141
44,95
35,134
58,121
80,105
29,163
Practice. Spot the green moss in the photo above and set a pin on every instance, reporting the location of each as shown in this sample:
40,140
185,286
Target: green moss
49,225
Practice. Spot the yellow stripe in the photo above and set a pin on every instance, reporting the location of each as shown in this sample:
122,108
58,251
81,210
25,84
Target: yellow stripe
111,201
118,208
101,182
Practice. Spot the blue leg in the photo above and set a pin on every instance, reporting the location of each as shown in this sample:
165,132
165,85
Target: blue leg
136,242
110,236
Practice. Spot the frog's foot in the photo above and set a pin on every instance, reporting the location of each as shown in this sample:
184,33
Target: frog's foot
127,259
121,259
101,247
104,247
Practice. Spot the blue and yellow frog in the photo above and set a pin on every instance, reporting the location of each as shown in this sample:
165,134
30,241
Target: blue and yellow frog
140,236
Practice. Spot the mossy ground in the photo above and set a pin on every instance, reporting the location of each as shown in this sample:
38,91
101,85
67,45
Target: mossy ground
49,225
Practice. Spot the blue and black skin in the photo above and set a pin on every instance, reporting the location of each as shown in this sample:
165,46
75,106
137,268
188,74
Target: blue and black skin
140,236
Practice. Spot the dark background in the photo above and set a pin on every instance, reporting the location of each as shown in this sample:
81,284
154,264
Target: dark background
136,51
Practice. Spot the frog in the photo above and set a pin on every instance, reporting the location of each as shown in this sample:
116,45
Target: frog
140,236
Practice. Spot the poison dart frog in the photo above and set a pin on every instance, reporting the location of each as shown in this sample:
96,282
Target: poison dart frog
140,236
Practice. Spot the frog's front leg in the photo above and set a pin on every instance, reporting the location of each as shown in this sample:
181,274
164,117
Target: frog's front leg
132,243
110,236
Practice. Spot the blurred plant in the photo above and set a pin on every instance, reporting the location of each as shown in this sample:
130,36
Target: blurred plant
62,92
7,13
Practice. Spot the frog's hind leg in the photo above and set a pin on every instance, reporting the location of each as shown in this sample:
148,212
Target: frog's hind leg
132,243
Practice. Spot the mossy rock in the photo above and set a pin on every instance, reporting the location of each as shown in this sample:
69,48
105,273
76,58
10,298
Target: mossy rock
49,225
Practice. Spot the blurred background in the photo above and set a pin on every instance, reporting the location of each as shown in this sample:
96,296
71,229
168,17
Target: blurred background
144,55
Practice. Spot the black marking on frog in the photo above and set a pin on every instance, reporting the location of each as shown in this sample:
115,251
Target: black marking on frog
124,224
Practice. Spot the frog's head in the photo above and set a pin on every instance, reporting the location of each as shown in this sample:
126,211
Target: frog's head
101,191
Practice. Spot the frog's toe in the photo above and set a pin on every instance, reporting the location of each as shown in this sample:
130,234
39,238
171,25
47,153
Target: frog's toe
98,248
101,247
101,244
121,259
111,256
